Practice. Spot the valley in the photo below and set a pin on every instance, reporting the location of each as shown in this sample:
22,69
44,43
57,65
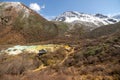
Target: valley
73,46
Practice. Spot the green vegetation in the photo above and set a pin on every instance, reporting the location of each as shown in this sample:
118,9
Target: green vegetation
78,31
62,27
93,50
98,58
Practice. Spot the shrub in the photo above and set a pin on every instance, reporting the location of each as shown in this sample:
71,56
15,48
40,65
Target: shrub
17,64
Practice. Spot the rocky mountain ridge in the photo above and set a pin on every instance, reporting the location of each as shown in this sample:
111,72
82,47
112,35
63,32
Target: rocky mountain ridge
83,18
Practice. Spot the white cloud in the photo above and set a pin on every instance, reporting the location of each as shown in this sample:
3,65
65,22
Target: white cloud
36,7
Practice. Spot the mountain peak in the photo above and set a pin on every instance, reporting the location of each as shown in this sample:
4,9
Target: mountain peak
72,12
101,15
16,6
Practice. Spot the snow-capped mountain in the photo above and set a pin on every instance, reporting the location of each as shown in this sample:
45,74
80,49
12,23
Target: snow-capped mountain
97,19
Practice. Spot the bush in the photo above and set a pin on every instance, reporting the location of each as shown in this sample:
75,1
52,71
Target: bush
17,64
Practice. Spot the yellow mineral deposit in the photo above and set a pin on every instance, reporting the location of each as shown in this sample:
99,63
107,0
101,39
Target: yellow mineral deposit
35,48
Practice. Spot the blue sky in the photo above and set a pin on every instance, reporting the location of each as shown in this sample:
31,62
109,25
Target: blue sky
49,8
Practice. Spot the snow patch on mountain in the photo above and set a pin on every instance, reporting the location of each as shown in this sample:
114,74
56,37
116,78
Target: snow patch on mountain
116,16
73,16
17,6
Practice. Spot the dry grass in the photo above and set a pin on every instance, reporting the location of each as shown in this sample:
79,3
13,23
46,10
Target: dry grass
97,59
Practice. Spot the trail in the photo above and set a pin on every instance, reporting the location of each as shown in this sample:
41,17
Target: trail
40,68
66,57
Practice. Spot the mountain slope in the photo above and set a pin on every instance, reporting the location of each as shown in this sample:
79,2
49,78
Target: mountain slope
104,30
19,24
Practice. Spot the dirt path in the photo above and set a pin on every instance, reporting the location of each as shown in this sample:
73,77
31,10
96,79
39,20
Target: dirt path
69,53
40,68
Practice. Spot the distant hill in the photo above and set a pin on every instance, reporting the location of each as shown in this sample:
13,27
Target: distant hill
19,24
104,30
